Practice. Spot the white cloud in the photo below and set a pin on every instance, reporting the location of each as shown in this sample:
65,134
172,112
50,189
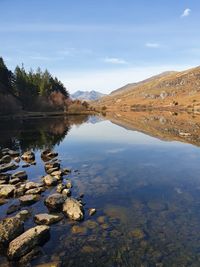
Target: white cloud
152,45
114,60
186,12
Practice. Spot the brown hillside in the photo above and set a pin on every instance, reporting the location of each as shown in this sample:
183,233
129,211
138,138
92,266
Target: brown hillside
178,90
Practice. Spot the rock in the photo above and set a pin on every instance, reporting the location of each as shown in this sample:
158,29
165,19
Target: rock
54,201
28,156
7,190
50,180
26,259
69,185
32,185
29,199
5,159
66,192
10,228
13,208
92,211
22,175
76,229
27,241
26,165
48,154
3,201
60,188
52,166
12,153
66,171
23,215
15,181
101,219
8,166
19,191
57,174
17,159
4,177
73,209
47,219
34,191
51,170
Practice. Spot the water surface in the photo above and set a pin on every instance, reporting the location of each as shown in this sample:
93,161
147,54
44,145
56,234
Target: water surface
146,192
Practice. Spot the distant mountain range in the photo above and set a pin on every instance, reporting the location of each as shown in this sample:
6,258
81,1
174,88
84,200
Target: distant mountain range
86,95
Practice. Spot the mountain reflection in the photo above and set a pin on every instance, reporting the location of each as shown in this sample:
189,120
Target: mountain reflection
36,133
183,127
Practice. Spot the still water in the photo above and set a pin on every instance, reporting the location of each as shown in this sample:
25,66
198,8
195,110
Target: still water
146,192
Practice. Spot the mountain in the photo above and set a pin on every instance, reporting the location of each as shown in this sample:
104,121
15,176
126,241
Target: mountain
177,90
86,95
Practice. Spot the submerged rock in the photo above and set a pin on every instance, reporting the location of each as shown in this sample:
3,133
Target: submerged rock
13,208
54,201
10,228
73,209
34,191
27,241
6,190
47,219
29,199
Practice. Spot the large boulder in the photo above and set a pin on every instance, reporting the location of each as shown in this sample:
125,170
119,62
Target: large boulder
6,191
73,209
54,201
27,241
47,219
10,228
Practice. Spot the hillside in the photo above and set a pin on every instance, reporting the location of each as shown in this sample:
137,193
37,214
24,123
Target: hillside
177,90
86,95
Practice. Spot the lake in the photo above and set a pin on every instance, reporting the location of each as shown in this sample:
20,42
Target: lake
146,192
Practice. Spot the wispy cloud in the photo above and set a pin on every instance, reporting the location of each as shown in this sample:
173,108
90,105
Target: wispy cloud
152,45
186,13
45,58
115,60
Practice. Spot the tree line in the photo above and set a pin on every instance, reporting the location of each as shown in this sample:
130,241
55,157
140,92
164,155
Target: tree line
30,90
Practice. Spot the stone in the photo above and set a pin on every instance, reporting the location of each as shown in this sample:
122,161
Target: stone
50,180
48,154
32,185
7,190
13,208
10,228
29,199
54,201
12,153
34,191
53,166
69,185
47,219
26,259
15,181
23,215
8,166
28,156
24,243
66,171
73,209
57,174
66,192
60,188
92,211
76,229
17,159
5,159
22,175
4,176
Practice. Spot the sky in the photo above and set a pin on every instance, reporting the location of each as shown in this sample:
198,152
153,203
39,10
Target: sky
100,45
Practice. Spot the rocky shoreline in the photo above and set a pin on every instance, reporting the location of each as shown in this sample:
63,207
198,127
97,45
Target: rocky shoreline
16,243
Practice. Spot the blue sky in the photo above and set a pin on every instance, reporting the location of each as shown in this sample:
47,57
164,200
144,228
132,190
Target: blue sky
100,45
